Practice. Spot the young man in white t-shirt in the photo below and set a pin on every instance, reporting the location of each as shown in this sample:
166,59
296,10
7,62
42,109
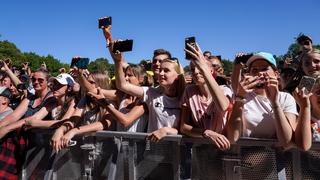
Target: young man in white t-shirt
260,109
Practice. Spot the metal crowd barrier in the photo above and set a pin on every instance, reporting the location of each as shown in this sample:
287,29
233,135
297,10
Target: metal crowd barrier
122,155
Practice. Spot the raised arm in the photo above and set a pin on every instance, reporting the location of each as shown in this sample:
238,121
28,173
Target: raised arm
303,135
284,121
124,119
119,61
39,123
109,94
16,114
217,95
235,123
11,75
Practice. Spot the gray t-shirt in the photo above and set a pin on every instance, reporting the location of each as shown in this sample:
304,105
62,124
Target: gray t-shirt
164,111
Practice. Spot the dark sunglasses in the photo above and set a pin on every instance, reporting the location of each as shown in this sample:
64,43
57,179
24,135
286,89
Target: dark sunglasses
306,43
40,80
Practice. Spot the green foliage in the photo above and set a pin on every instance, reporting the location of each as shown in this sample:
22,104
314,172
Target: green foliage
228,66
101,65
9,50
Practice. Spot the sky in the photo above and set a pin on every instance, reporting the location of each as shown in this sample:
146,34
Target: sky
67,28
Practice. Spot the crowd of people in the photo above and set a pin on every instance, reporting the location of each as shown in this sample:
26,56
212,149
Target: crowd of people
259,100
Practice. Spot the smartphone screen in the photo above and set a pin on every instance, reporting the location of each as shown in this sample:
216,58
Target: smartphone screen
192,42
123,46
104,22
82,63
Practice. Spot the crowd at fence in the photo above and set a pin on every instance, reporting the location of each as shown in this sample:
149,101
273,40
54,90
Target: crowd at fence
259,100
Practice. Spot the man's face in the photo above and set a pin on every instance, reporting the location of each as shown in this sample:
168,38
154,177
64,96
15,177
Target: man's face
216,64
306,45
156,62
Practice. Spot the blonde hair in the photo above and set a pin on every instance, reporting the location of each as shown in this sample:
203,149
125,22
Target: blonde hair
101,79
180,83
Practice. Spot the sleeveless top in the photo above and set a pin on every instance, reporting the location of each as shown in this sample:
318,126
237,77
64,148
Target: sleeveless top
35,136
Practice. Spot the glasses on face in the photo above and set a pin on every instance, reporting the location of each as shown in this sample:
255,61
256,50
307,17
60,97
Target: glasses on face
40,80
157,60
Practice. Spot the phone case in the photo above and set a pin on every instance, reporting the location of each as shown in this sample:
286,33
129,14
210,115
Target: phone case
307,82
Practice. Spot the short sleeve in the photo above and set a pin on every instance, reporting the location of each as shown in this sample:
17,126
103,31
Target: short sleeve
288,103
145,93
227,91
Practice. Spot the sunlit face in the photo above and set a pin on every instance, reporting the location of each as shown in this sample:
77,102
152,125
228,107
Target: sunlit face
261,66
306,45
6,82
59,90
311,64
216,64
4,100
39,81
167,74
14,91
131,78
156,62
196,75
92,81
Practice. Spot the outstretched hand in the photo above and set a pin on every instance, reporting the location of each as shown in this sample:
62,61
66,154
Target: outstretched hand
196,53
116,56
302,97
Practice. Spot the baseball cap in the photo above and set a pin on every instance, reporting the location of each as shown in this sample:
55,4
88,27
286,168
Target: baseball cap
262,55
5,92
302,38
65,79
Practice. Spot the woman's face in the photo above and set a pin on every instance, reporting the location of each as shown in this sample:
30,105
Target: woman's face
196,75
131,78
311,64
14,91
39,81
168,74
58,89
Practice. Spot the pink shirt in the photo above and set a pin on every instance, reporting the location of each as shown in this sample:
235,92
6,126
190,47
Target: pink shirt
205,113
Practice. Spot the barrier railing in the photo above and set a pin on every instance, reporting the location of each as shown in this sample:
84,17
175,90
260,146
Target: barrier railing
123,155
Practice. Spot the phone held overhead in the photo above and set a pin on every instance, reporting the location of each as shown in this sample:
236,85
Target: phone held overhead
105,22
192,42
122,46
80,63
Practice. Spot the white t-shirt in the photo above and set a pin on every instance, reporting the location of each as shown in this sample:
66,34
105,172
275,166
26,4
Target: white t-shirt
164,111
258,114
139,125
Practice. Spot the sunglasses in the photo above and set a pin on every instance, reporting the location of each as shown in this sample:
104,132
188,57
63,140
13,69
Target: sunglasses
306,43
40,80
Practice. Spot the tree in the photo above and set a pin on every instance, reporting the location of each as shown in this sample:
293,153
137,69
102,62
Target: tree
101,65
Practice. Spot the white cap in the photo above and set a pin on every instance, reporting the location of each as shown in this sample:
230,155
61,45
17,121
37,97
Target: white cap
65,79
